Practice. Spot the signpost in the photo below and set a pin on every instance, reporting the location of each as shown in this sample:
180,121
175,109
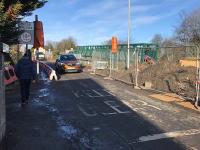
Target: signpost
114,45
27,36
114,50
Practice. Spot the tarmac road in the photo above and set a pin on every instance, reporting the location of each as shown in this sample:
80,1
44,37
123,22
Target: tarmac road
87,112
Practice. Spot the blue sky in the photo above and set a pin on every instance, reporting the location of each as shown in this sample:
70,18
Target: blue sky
92,22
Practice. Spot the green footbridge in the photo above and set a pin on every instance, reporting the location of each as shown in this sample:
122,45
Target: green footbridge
103,51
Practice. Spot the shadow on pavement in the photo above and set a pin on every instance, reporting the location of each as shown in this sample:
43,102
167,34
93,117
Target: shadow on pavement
78,114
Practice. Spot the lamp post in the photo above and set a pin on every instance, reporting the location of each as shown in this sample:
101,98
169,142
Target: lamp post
129,30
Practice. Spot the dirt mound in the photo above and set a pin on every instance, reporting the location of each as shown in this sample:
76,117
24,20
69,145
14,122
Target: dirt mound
170,77
165,76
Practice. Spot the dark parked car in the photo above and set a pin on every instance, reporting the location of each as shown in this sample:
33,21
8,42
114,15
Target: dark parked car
67,63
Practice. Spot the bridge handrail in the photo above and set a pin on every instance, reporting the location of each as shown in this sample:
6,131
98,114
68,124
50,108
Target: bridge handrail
87,51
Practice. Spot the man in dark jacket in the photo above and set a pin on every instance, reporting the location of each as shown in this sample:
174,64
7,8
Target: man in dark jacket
25,72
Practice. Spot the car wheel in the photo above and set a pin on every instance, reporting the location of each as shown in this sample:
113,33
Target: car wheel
79,71
59,70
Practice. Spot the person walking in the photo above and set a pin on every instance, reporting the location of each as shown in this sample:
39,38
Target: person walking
26,74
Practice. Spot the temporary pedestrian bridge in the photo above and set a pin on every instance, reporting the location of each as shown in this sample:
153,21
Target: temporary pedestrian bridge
103,51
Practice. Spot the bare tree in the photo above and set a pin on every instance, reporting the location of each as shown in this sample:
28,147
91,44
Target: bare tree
157,39
169,42
189,29
66,44
50,45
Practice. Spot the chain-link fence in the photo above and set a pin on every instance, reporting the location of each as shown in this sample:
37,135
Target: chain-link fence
170,69
180,71
175,71
100,55
115,65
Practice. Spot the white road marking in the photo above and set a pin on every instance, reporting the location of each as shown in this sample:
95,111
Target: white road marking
75,94
107,114
138,102
136,109
78,94
96,128
166,135
92,93
142,110
85,113
115,107
109,92
98,93
145,104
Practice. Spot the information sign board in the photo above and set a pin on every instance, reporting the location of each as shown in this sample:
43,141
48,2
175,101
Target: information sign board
27,36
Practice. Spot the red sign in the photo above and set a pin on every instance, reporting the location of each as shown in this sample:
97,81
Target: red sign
114,45
39,35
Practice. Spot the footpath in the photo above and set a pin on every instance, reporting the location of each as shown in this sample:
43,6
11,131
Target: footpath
31,127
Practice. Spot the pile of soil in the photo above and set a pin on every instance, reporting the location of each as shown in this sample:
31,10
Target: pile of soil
170,77
166,76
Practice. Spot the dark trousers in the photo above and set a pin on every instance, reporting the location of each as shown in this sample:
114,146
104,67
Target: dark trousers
25,89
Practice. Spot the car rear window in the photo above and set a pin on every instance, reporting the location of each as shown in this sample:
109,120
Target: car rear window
67,58
40,53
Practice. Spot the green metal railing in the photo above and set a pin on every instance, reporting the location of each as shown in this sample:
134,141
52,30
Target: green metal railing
104,50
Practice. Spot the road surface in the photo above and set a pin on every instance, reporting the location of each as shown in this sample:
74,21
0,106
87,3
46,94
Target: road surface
86,112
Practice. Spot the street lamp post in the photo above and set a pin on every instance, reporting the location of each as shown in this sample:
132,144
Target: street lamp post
129,30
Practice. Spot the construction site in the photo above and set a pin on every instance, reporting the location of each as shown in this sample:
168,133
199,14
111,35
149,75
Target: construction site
173,69
99,75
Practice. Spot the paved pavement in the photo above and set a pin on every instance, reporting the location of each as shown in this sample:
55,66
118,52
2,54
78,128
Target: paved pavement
86,112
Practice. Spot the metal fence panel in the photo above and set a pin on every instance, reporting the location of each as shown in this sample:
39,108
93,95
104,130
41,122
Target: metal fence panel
169,69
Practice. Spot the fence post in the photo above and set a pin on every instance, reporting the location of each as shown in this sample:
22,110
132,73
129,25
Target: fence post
93,62
136,68
118,60
110,65
197,79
